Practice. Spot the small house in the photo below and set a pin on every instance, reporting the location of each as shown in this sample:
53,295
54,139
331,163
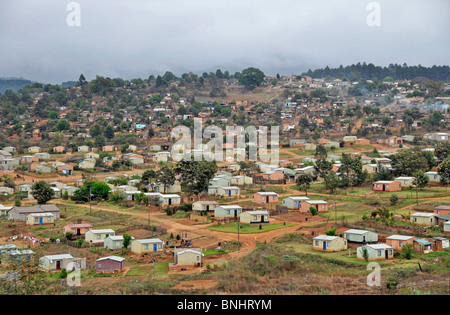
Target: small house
442,210
114,242
294,202
360,236
59,149
110,264
188,257
69,189
4,211
6,190
98,236
65,169
320,205
433,176
147,246
228,191
29,159
447,227
265,197
62,261
386,186
83,148
254,217
34,149
375,252
42,155
21,213
207,205
170,199
228,211
16,257
77,230
87,164
440,244
405,181
397,241
241,180
424,218
25,188
329,243
220,181
422,246
40,219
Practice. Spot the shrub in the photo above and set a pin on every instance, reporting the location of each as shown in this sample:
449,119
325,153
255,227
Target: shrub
331,232
394,200
313,210
407,251
69,235
391,283
169,211
365,253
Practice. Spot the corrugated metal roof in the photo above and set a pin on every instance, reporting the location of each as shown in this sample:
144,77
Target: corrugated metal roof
257,212
58,257
325,238
422,241
189,251
102,231
150,241
379,246
116,258
423,214
399,237
353,231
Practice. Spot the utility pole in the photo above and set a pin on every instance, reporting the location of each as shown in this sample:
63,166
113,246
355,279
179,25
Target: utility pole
90,194
238,227
335,211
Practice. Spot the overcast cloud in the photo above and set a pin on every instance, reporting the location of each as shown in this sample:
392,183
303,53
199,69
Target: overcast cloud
136,38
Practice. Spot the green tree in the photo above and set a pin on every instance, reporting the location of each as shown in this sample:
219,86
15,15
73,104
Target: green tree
408,162
95,130
304,181
166,176
420,179
96,189
444,171
62,125
126,240
442,150
251,78
42,192
195,175
109,132
323,167
320,151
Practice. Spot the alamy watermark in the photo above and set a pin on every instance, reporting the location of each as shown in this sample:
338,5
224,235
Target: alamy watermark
374,18
374,278
74,277
250,143
74,17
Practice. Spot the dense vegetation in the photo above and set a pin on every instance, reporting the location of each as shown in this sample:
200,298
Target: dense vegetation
369,71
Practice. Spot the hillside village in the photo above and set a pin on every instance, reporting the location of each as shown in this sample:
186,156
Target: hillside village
88,182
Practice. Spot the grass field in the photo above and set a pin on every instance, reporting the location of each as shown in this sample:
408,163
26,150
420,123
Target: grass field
248,229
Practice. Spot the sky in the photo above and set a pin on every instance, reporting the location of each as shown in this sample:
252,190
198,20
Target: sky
136,38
